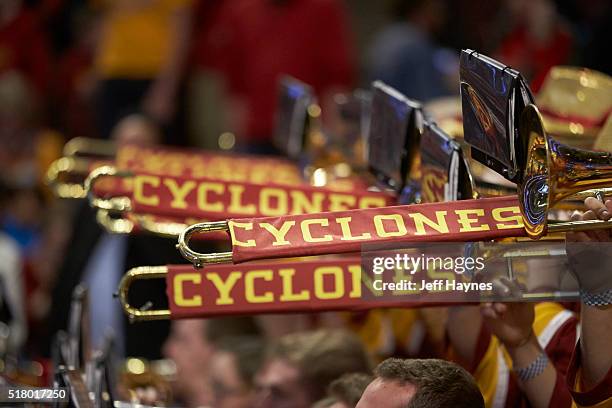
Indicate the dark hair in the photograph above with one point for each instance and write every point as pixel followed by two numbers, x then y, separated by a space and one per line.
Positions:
pixel 439 383
pixel 349 387
pixel 401 9
pixel 224 327
pixel 248 352
pixel 322 356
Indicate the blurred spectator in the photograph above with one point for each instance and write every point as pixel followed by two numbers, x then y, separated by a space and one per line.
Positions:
pixel 209 110
pixel 404 54
pixel 307 39
pixel 300 366
pixel 17 129
pixel 538 39
pixel 23 47
pixel 192 344
pixel 76 79
pixel 233 369
pixel 99 259
pixel 140 59
pixel 421 383
pixel 345 391
pixel 12 304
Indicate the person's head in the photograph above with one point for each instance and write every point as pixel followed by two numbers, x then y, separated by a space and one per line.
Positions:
pixel 428 15
pixel 415 383
pixel 192 343
pixel 232 370
pixel 137 128
pixel 299 367
pixel 345 392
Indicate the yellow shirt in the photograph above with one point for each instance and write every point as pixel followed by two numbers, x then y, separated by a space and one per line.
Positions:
pixel 136 37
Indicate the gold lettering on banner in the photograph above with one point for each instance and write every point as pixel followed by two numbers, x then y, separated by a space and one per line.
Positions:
pixel 302 205
pixel 179 192
pixel 420 220
pixel 341 202
pixel 305 225
pixel 236 206
pixel 515 217
pixel 346 230
pixel 179 296
pixel 355 271
pixel 278 233
pixel 467 223
pixel 269 195
pixel 319 280
pixel 249 286
pixel 139 197
pixel 247 226
pixel 204 203
pixel 399 223
pixel 224 287
pixel 288 294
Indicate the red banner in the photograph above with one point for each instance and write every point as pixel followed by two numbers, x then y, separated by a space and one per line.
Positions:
pixel 216 200
pixel 201 164
pixel 346 231
pixel 288 287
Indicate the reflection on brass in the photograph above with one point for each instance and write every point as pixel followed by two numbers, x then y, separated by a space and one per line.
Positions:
pixel 61 169
pixel 82 146
pixel 113 224
pixel 114 203
pixel 553 172
pixel 199 259
pixel 142 272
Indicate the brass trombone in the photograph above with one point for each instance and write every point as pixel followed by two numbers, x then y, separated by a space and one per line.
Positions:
pixel 79 155
pixel 142 272
pixel 555 171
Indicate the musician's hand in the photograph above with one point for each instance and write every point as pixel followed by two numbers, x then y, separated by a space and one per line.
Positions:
pixel 595 210
pixel 511 323
pixel 589 253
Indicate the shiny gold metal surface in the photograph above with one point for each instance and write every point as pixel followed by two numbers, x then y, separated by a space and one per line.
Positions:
pixel 59 173
pixel 199 259
pixel 83 146
pixel 118 204
pixel 142 272
pixel 554 172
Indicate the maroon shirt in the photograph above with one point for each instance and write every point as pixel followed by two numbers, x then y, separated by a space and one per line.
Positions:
pixel 257 41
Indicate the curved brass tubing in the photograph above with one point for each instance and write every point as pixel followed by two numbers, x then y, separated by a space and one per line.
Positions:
pixel 554 172
pixel 199 259
pixel 114 225
pixel 84 146
pixel 118 204
pixel 141 272
pixel 66 165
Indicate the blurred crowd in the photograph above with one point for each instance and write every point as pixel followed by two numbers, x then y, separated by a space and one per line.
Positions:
pixel 197 69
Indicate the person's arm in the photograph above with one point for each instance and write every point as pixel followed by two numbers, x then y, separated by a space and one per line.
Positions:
pixel 591 263
pixel 512 324
pixel 160 99
pixel 464 328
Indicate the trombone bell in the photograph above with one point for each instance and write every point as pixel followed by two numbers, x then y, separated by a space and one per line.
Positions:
pixel 553 172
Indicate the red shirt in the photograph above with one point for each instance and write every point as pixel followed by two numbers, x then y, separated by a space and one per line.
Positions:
pixel 307 39
pixel 535 60
pixel 23 48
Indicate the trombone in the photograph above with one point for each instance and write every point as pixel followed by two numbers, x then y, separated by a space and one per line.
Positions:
pixel 79 158
pixel 553 172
